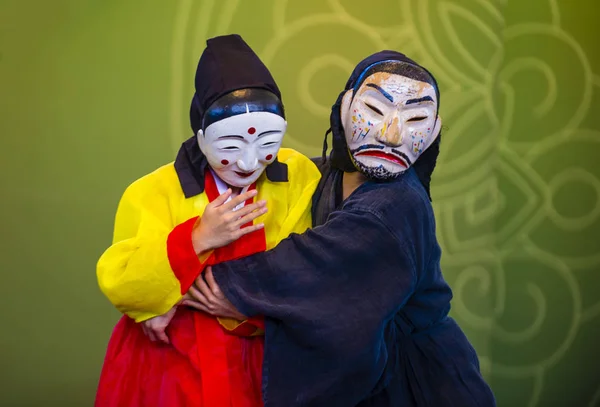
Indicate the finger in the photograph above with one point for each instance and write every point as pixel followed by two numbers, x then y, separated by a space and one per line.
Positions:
pixel 212 284
pixel 247 209
pixel 225 309
pixel 230 312
pixel 250 217
pixel 228 206
pixel 161 335
pixel 196 305
pixel 221 199
pixel 221 311
pixel 248 229
pixel 197 295
pixel 205 289
pixel 150 334
pixel 239 316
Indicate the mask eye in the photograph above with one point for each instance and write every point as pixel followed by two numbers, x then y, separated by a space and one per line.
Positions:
pixel 374 109
pixel 417 119
pixel 230 148
pixel 269 144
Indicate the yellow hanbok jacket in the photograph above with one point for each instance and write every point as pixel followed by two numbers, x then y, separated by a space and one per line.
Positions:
pixel 135 272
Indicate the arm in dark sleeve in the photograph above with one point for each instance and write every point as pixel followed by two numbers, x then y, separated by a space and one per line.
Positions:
pixel 352 259
pixel 328 294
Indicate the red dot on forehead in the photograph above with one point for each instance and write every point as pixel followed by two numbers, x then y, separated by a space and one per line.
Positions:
pixel 251 130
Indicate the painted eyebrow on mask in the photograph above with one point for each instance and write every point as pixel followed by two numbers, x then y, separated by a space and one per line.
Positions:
pixel 264 133
pixel 383 92
pixel 231 136
pixel 423 99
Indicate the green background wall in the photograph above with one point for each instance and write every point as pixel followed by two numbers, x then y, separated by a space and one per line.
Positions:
pixel 94 94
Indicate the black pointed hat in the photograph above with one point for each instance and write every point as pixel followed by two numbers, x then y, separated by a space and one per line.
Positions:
pixel 226 65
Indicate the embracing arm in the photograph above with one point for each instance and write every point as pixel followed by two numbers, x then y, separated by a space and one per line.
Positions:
pixel 329 294
pixel 347 275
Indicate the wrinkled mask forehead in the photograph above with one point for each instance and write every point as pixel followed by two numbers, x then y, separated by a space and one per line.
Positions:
pixel 396 68
pixel 397 89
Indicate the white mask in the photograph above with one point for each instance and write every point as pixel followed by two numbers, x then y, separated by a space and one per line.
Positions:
pixel 240 147
pixel 388 124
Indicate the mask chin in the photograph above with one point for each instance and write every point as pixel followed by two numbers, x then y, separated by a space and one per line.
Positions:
pixel 229 177
pixel 377 173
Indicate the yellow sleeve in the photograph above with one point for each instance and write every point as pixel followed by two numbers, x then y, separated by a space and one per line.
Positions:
pixel 134 273
pixel 304 176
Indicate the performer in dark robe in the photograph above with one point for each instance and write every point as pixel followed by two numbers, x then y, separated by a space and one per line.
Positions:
pixel 357 307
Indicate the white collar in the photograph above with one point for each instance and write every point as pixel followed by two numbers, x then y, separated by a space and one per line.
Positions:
pixel 222 187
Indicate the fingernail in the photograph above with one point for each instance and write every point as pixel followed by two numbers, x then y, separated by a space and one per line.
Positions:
pixel 262 202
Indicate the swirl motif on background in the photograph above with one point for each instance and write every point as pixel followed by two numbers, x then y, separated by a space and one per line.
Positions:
pixel 517 189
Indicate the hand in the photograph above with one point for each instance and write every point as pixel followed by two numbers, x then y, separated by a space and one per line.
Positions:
pixel 155 328
pixel 221 225
pixel 207 296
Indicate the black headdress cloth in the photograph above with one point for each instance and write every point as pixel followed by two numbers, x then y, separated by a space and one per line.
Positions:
pixel 329 192
pixel 226 65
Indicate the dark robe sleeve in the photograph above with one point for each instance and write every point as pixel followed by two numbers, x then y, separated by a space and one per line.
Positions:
pixel 327 295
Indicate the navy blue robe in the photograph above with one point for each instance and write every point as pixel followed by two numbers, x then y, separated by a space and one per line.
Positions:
pixel 357 309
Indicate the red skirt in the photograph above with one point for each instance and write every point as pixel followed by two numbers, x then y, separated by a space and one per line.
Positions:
pixel 204 366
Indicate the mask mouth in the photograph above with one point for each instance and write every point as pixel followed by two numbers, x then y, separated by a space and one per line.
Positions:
pixel 244 174
pixel 391 157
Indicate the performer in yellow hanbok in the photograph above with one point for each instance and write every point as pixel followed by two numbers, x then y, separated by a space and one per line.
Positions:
pixel 231 192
